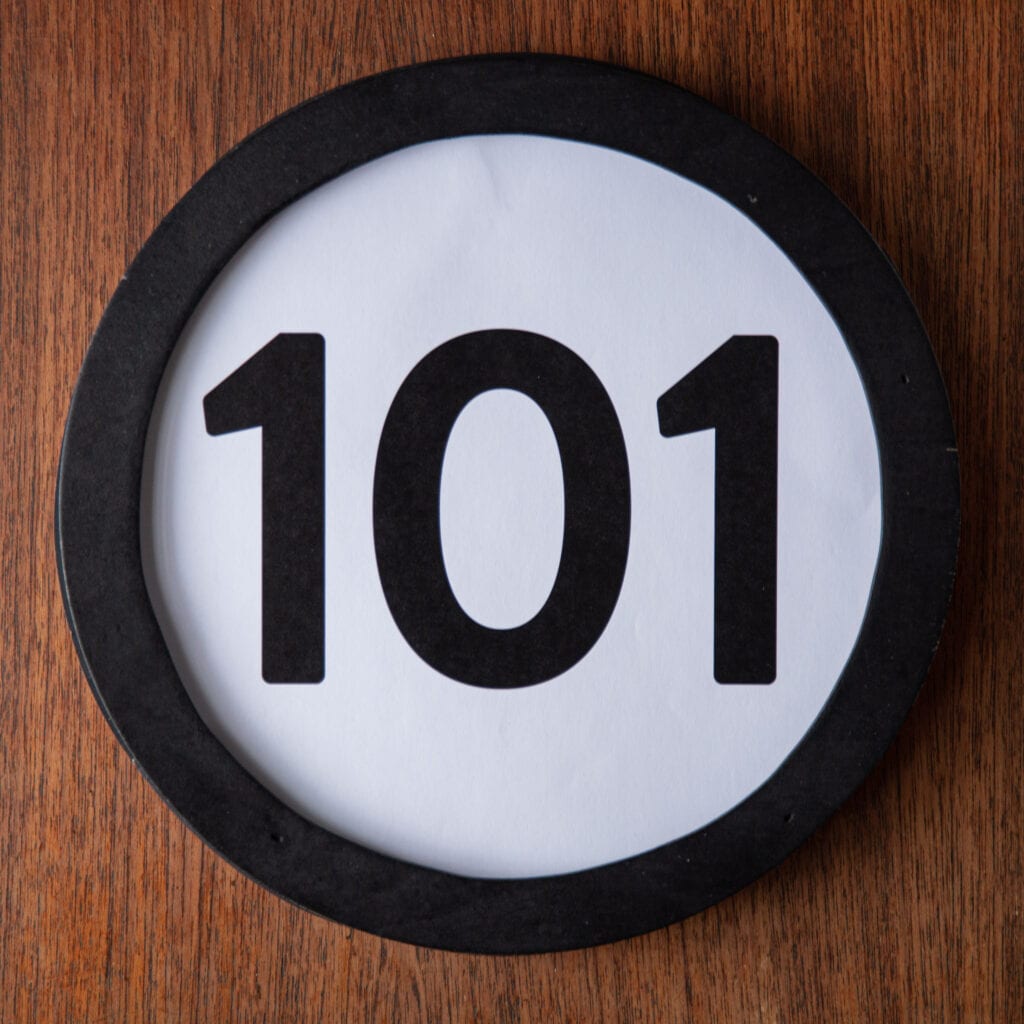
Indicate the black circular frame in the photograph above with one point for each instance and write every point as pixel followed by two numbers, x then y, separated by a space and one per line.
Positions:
pixel 100 479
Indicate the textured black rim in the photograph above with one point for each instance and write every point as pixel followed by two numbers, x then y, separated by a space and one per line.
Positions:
pixel 100 478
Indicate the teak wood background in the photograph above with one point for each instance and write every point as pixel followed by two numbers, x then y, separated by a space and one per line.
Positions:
pixel 906 906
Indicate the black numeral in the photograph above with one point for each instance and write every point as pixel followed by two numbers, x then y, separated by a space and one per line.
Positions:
pixel 281 389
pixel 406 496
pixel 735 392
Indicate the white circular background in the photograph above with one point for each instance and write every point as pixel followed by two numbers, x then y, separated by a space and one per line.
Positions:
pixel 643 274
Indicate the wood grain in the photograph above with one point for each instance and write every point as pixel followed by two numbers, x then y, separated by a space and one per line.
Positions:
pixel 906 906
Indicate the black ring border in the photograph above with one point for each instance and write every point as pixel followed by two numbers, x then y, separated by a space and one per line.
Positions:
pixel 99 487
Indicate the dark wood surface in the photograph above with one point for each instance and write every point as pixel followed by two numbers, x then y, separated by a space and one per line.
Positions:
pixel 906 906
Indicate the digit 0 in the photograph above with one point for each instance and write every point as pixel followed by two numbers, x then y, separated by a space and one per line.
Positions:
pixel 406 497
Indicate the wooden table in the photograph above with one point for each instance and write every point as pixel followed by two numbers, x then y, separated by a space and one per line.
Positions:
pixel 906 906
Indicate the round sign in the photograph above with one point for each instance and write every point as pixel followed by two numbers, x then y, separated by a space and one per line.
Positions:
pixel 507 505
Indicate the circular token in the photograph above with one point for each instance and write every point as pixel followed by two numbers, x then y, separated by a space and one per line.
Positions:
pixel 507 505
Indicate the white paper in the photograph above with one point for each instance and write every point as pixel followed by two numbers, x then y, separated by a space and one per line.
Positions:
pixel 641 273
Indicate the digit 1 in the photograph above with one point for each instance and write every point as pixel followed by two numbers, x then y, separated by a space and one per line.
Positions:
pixel 406 495
pixel 281 390
pixel 735 392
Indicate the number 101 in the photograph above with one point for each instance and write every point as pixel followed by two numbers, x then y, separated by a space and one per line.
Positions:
pixel 733 392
